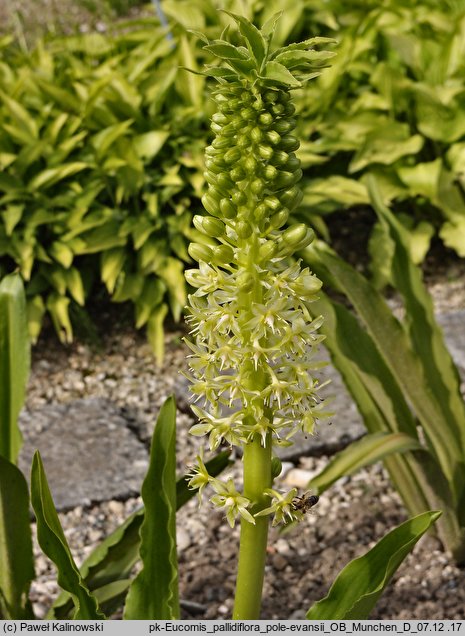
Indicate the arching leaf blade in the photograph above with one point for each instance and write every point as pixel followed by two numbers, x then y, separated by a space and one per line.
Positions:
pixel 153 594
pixel 53 542
pixel 359 585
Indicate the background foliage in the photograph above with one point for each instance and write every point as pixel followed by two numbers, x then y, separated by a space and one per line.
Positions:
pixel 101 143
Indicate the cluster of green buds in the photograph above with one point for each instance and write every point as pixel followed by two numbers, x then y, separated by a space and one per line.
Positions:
pixel 255 337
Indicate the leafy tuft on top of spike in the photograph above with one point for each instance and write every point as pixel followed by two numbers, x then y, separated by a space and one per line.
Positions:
pixel 254 60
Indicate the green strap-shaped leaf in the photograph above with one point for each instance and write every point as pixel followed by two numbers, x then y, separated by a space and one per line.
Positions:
pixel 359 585
pixel 378 395
pixel 53 542
pixel 114 558
pixel 153 594
pixel 393 344
pixel 363 452
pixel 14 363
pixel 425 333
pixel 374 388
pixel 16 558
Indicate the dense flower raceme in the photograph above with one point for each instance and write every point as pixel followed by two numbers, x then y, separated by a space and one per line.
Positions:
pixel 254 335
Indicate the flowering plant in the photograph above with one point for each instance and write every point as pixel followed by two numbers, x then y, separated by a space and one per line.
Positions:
pixel 255 336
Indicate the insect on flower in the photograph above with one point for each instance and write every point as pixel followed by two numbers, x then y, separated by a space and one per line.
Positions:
pixel 305 503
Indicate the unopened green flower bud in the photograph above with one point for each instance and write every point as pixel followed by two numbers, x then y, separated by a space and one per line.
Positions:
pixel 286 248
pixel 279 219
pixel 306 285
pixel 250 164
pixel 214 166
pixel 286 179
pixel 277 109
pixel 210 204
pixel 261 211
pixel 219 118
pixel 289 143
pixel 256 134
pixel 239 197
pixel 283 126
pixel 294 234
pixel 209 225
pixel 224 181
pixel 267 250
pixel 293 163
pixel 272 202
pixel 292 197
pixel 232 155
pixel 257 186
pixel 210 177
pixel 245 281
pixel 289 110
pixel 270 172
pixel 228 210
pixel 200 252
pixel 223 254
pixel 247 113
pixel 243 229
pixel 273 137
pixel 271 97
pixel 265 152
pixel 220 142
pixel 266 119
pixel 280 158
pixel 237 174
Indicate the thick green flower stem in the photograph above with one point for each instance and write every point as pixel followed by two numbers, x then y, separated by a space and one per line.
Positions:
pixel 252 549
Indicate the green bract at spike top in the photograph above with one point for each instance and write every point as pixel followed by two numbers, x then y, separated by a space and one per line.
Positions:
pixel 255 336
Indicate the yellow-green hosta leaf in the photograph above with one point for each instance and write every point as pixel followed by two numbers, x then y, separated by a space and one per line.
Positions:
pixel 336 188
pixel 111 264
pixel 359 585
pixel 35 313
pixel 57 307
pixel 12 216
pixel 22 118
pixel 128 286
pixel 152 295
pixel 75 285
pixel 50 176
pixel 172 273
pixel 386 146
pixel 149 144
pixel 61 253
pixel 422 179
pixel 106 137
pixel 6 159
pixel 453 235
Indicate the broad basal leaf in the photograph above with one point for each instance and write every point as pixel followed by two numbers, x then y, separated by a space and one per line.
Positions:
pixel 153 594
pixel 359 585
pixel 53 542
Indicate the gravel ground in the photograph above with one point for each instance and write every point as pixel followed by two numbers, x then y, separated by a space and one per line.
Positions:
pixel 349 519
